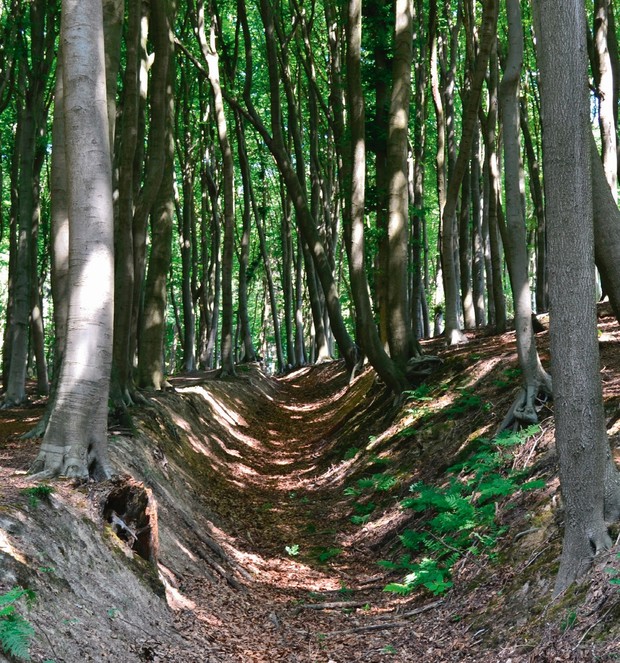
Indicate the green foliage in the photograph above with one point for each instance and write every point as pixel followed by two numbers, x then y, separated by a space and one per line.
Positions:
pixel 40 492
pixel 615 573
pixel 569 621
pixel 460 515
pixel 293 550
pixel 389 649
pixel 350 453
pixel 15 631
pixel 323 555
pixel 465 402
pixel 509 377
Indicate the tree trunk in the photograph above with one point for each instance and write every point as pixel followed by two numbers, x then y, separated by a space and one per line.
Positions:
pixel 478 263
pixel 211 57
pixel 151 367
pixel 187 225
pixel 400 333
pixel 535 378
pixel 579 416
pixel 122 362
pixel 496 297
pixel 355 172
pixel 539 210
pixel 604 78
pixel 155 159
pixel 487 38
pixel 75 441
pixel 249 353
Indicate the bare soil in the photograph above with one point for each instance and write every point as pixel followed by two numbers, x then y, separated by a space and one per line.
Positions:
pixel 257 557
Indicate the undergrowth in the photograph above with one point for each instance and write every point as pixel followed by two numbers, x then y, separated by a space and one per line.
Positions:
pixel 460 515
pixel 16 632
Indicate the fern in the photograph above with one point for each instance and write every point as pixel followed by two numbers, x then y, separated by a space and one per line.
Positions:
pixel 15 631
pixel 460 514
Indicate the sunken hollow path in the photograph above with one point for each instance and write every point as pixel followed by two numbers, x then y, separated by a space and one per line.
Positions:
pixel 260 552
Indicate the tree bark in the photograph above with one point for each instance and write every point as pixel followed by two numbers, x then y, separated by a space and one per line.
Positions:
pixel 579 416
pixel 604 78
pixel 249 353
pixel 535 378
pixel 487 37
pixel 151 368
pixel 210 55
pixel 355 174
pixel 124 276
pixel 75 441
pixel 400 333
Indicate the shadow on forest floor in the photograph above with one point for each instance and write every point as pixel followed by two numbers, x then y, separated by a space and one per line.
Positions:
pixel 276 498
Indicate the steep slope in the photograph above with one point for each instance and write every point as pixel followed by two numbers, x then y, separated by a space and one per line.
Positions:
pixel 256 482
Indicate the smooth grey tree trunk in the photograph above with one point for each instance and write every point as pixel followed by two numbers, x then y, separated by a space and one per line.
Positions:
pixel 210 55
pixel 579 416
pixel 604 77
pixel 75 441
pixel 400 332
pixel 487 38
pixel 151 366
pixel 535 378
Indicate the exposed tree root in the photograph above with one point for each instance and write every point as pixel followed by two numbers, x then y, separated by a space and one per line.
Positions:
pixel 419 368
pixel 525 408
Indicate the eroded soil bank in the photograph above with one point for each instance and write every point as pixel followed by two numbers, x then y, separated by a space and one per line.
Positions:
pixel 257 555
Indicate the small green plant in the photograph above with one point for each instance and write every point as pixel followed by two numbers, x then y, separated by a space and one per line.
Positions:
pixel 388 649
pixel 509 377
pixel 323 555
pixel 363 512
pixel 16 632
pixel 293 550
pixel 344 590
pixel 39 493
pixel 569 621
pixel 421 393
pixel 460 515
pixel 615 573
pixel 350 453
pixel 465 402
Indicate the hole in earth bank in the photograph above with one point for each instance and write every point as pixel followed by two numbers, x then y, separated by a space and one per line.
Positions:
pixel 130 510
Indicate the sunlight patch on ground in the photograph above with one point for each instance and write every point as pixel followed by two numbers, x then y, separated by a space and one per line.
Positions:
pixel 483 368
pixel 183 549
pixel 223 414
pixel 175 599
pixel 7 547
pixel 316 405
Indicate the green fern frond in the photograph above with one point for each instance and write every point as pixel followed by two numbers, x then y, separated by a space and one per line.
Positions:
pixel 15 636
pixel 398 588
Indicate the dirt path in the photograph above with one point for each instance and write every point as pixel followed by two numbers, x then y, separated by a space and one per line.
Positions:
pixel 258 554
pixel 312 595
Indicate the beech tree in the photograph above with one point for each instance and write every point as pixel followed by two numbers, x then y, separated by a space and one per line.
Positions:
pixel 75 441
pixel 535 378
pixel 581 436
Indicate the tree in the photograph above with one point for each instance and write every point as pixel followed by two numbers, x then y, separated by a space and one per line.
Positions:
pixel 400 332
pixel 152 322
pixel 470 113
pixel 355 175
pixel 535 378
pixel 579 416
pixel 75 441
pixel 211 57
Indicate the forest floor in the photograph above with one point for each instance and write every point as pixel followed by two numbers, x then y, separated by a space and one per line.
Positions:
pixel 276 498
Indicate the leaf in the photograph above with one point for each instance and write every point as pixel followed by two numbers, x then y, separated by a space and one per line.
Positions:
pixel 398 588
pixel 15 636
